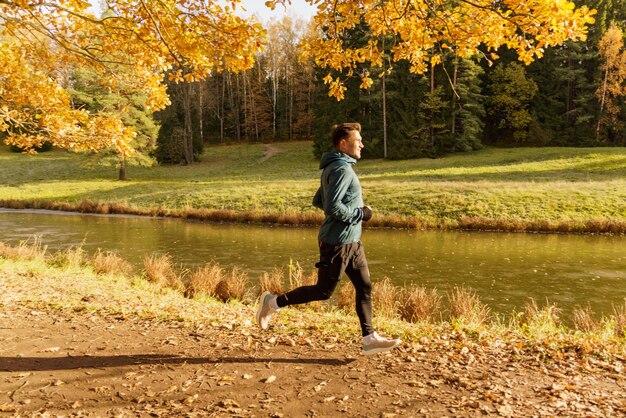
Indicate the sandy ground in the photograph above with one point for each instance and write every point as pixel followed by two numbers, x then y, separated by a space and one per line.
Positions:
pixel 65 363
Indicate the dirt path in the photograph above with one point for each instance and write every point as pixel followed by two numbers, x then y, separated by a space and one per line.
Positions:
pixel 270 151
pixel 78 364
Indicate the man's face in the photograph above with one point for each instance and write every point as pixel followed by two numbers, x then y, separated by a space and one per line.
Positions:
pixel 352 145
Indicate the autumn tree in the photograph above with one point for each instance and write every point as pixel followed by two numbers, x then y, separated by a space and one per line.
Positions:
pixel 424 30
pixel 187 39
pixel 87 92
pixel 612 87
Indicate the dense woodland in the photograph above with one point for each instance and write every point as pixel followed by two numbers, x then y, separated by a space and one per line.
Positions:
pixel 573 96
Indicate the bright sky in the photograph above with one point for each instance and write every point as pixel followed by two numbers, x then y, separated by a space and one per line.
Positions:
pixel 298 8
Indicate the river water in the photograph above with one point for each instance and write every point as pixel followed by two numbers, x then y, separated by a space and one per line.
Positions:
pixel 504 269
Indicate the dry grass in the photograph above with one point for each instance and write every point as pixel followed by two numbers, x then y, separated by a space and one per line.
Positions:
pixel 583 319
pixel 346 296
pixel 619 315
pixel 71 258
pixel 31 249
pixel 272 281
pixel 297 276
pixel 465 306
pixel 110 263
pixel 385 298
pixel 418 304
pixel 391 220
pixel 159 269
pixel 204 280
pixel 233 286
pixel 540 322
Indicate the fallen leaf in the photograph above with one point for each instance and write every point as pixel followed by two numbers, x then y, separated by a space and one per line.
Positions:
pixel 319 387
pixel 7 408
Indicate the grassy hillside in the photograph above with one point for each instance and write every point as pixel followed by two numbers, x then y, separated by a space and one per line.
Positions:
pixel 565 189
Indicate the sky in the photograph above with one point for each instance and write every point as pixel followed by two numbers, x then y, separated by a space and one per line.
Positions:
pixel 298 8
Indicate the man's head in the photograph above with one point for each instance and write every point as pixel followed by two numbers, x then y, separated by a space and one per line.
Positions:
pixel 347 139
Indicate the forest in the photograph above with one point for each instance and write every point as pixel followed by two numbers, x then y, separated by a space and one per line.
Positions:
pixel 572 96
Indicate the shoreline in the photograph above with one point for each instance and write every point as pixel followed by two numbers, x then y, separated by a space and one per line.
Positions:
pixel 313 219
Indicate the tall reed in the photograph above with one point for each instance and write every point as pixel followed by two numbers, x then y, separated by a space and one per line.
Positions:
pixel 273 281
pixel 583 319
pixel 159 269
pixel 466 307
pixel 71 258
pixel 540 322
pixel 418 304
pixel 204 280
pixel 385 297
pixel 233 286
pixel 30 249
pixel 619 315
pixel 110 263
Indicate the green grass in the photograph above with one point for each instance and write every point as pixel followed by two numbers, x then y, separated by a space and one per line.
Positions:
pixel 569 189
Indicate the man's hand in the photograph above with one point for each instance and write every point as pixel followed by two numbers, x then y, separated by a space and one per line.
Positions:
pixel 367 213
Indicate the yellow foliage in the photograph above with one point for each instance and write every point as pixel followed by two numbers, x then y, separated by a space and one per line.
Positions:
pixel 420 29
pixel 134 44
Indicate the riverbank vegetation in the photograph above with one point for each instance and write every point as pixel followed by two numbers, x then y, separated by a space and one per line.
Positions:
pixel 512 189
pixel 412 313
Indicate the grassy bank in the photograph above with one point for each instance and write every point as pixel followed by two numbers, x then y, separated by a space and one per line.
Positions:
pixel 529 189
pixel 104 282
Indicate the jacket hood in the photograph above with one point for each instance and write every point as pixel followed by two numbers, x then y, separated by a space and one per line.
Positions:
pixel 335 156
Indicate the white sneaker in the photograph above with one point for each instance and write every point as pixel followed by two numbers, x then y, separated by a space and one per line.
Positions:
pixel 374 343
pixel 264 311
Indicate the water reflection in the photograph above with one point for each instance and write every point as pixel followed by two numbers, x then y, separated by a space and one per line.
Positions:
pixel 503 268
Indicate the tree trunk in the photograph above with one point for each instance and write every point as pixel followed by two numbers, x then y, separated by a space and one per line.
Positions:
pixel 384 106
pixel 122 172
pixel 200 111
pixel 454 99
pixel 221 108
pixel 432 112
pixel 236 109
pixel 188 138
pixel 606 78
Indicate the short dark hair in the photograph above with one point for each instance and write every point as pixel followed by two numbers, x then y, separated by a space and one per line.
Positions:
pixel 343 130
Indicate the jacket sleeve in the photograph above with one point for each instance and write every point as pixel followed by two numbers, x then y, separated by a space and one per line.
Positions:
pixel 338 183
pixel 317 199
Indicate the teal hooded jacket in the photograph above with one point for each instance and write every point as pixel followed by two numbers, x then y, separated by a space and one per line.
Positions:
pixel 340 197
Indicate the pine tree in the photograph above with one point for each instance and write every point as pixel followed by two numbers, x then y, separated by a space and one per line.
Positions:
pixel 87 91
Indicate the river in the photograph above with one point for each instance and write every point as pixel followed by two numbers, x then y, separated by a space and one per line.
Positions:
pixel 504 269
